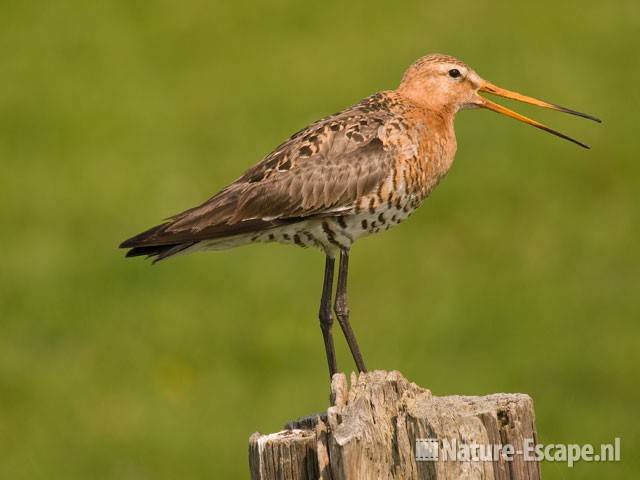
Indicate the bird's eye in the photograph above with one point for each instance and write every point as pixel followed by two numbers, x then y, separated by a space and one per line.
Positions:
pixel 454 73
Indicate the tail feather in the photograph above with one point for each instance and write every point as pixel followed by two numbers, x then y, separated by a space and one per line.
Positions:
pixel 139 239
pixel 160 252
pixel 164 240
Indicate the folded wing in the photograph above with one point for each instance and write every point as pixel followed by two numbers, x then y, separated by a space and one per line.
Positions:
pixel 320 171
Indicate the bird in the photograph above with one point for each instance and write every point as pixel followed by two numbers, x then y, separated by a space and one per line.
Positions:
pixel 352 174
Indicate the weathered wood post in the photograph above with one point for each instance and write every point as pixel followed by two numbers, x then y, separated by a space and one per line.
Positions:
pixel 370 432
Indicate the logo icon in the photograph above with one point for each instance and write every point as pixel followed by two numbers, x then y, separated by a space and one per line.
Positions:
pixel 427 449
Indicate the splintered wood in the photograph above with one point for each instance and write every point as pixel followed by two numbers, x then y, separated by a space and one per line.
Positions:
pixel 384 427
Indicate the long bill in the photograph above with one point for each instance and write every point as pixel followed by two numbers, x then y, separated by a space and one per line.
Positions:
pixel 488 104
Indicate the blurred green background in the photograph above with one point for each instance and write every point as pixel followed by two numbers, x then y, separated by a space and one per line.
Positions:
pixel 519 274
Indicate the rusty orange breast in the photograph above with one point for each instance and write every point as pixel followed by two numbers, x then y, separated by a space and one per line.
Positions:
pixel 435 148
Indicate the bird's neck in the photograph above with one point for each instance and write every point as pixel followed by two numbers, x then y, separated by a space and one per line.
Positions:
pixel 441 132
pixel 434 128
pixel 437 143
pixel 427 99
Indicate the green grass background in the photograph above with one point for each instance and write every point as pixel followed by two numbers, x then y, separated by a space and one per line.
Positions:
pixel 519 274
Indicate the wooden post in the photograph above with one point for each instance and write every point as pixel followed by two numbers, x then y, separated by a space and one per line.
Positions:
pixel 371 429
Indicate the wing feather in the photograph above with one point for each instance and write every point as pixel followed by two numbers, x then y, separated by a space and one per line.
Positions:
pixel 320 171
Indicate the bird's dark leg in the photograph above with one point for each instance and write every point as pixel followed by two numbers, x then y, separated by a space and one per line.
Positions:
pixel 342 310
pixel 326 317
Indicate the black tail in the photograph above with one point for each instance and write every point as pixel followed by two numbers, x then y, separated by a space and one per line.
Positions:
pixel 162 241
pixel 160 252
pixel 139 246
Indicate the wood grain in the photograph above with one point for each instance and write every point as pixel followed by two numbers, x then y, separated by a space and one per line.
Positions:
pixel 370 432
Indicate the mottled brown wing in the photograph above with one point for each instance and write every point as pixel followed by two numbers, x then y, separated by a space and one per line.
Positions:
pixel 321 170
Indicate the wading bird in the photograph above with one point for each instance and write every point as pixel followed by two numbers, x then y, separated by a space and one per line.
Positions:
pixel 358 172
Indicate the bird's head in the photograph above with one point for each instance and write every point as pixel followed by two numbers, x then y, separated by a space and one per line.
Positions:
pixel 445 84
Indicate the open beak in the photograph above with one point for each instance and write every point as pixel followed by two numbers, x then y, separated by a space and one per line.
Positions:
pixel 490 88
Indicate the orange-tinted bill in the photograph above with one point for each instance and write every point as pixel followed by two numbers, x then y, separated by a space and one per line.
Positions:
pixel 490 88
